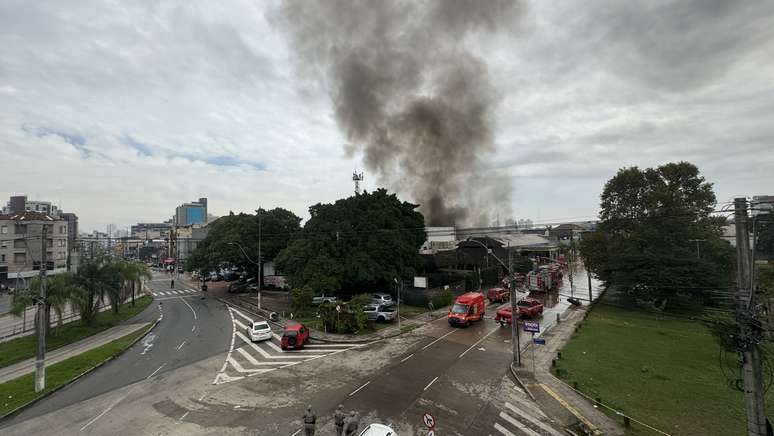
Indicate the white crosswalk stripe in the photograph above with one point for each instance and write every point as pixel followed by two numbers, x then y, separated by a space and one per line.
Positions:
pixel 518 415
pixel 248 358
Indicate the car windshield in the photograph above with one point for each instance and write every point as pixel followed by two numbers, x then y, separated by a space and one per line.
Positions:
pixel 524 304
pixel 291 334
pixel 262 326
pixel 459 308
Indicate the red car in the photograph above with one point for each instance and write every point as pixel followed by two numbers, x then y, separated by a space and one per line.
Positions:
pixel 501 295
pixel 295 336
pixel 526 307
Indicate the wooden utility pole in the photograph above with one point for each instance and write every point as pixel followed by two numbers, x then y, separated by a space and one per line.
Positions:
pixel 41 318
pixel 749 334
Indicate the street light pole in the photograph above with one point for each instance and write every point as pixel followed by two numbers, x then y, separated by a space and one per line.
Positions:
pixel 40 358
pixel 254 263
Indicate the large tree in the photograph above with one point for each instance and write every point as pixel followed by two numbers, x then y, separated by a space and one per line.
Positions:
pixel 222 244
pixel 355 244
pixel 651 221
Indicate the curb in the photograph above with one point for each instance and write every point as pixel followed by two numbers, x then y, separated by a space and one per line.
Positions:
pixel 521 383
pixel 78 377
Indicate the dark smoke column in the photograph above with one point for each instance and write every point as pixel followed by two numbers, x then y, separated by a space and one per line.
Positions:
pixel 410 94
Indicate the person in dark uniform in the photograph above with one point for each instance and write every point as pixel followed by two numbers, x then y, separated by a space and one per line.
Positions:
pixel 172 284
pixel 352 424
pixel 310 421
pixel 338 420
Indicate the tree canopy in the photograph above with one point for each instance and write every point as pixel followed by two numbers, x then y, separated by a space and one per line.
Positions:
pixel 650 224
pixel 276 227
pixel 355 244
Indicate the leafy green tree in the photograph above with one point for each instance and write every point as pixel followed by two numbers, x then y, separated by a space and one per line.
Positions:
pixel 276 228
pixel 645 242
pixel 301 299
pixel 355 244
pixel 132 273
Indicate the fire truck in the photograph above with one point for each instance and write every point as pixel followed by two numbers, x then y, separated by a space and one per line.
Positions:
pixel 545 278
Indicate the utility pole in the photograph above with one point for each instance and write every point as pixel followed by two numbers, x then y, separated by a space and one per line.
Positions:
pixel 40 358
pixel 515 345
pixel 749 335
pixel 698 252
pixel 260 258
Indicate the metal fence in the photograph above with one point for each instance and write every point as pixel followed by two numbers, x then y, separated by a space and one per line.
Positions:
pixel 27 324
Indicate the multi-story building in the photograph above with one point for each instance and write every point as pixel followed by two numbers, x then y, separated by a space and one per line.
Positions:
pixel 191 213
pixel 151 230
pixel 21 247
pixel 20 203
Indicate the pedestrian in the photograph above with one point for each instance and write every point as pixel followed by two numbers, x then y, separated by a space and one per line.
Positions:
pixel 338 420
pixel 352 424
pixel 172 284
pixel 310 421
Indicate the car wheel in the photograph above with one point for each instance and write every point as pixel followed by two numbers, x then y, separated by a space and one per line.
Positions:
pixel 380 319
pixel 502 323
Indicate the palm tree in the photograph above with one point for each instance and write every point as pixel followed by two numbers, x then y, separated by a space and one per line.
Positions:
pixel 96 279
pixel 60 289
pixel 132 274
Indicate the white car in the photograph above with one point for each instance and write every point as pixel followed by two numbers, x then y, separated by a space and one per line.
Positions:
pixel 378 430
pixel 259 331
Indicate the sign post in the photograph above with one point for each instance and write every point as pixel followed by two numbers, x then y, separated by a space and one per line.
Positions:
pixel 429 422
pixel 532 327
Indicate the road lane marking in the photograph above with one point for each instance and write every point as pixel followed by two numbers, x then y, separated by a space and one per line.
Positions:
pixel 247 318
pixel 270 356
pixel 189 306
pixel 241 369
pixel 230 349
pixel 255 361
pixel 326 345
pixel 518 424
pixel 108 409
pixel 193 327
pixel 297 432
pixel 184 415
pixel 242 326
pixel 157 370
pixel 358 389
pixel 503 430
pixel 478 342
pixel 181 345
pixel 430 384
pixel 431 343
pixel 532 419
pixel 567 406
pixel 407 357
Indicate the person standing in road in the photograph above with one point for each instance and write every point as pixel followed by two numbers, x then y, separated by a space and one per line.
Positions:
pixel 310 421
pixel 172 284
pixel 338 420
pixel 352 424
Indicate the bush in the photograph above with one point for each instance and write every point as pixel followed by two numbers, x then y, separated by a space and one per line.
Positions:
pixel 301 299
pixel 442 299
pixel 351 319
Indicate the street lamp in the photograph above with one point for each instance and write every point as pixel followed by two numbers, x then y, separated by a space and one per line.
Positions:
pixel 515 343
pixel 399 286
pixel 242 249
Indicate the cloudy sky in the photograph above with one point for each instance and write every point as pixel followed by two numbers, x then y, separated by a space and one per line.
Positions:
pixel 119 111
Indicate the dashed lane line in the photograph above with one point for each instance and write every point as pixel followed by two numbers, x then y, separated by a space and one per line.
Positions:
pixel 181 345
pixel 430 384
pixel 478 342
pixel 189 306
pixel 358 389
pixel 431 343
pixel 407 357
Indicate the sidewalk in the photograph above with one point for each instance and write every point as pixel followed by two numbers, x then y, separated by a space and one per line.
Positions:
pixel 556 398
pixel 19 369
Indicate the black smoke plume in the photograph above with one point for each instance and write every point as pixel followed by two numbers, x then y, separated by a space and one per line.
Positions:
pixel 411 93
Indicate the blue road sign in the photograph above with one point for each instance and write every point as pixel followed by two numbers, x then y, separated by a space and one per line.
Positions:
pixel 530 326
pixel 539 341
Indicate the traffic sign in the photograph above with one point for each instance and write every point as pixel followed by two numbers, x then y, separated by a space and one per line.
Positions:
pixel 530 326
pixel 431 432
pixel 539 341
pixel 429 421
pixel 338 308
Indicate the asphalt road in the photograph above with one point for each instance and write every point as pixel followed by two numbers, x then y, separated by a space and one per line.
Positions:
pixel 191 330
pixel 5 303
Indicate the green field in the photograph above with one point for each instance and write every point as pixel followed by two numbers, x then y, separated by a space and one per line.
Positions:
pixel 24 348
pixel 664 371
pixel 22 390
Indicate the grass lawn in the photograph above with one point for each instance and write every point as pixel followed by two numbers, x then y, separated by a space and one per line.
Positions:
pixel 408 311
pixel 22 390
pixel 23 348
pixel 661 370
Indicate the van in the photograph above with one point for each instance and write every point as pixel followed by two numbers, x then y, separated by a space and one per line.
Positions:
pixel 467 308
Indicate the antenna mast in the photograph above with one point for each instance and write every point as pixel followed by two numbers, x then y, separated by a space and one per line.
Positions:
pixel 357 178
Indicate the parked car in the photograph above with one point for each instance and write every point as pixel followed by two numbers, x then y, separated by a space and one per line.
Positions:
pixel 467 308
pixel 382 298
pixel 295 336
pixel 259 331
pixel 500 295
pixel 242 285
pixel 380 312
pixel 320 299
pixel 504 316
pixel 378 430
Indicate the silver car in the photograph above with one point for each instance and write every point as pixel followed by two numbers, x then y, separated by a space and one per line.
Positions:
pixel 382 298
pixel 380 312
